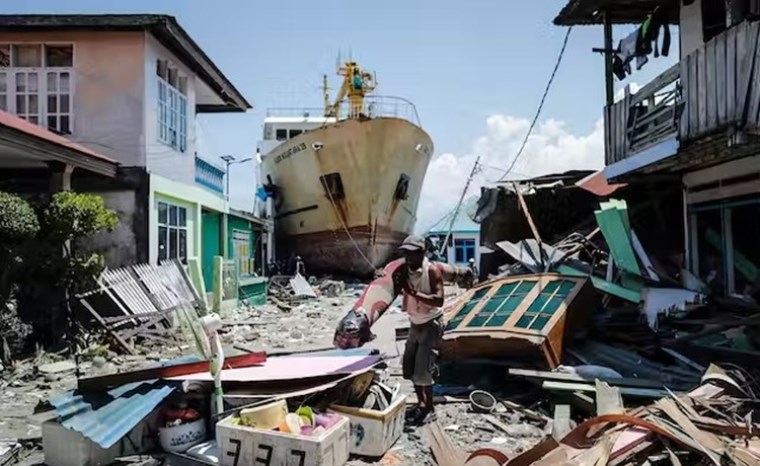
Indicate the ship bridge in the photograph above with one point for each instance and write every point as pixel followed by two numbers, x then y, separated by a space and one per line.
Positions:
pixel 283 124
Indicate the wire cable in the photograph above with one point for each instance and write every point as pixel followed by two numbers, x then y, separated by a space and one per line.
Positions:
pixel 540 105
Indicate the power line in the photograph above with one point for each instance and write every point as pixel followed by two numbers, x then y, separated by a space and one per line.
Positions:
pixel 540 105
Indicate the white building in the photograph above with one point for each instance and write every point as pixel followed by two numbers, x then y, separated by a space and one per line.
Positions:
pixel 464 241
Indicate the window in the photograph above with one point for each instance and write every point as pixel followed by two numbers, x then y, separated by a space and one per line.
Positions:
pixel 723 249
pixel 333 185
pixel 241 251
pixel 36 83
pixel 502 304
pixel 295 132
pixel 474 301
pixel 172 232
pixel 464 250
pixel 172 107
pixel 545 305
pixel 402 187
pixel 281 135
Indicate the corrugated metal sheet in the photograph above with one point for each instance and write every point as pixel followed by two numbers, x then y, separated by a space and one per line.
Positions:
pixel 105 418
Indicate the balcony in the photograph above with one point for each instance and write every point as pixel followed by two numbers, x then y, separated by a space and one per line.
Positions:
pixel 713 93
pixel 209 176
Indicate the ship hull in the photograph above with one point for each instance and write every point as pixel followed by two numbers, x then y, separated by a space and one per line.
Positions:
pixel 357 226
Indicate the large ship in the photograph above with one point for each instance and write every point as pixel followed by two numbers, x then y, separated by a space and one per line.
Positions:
pixel 346 179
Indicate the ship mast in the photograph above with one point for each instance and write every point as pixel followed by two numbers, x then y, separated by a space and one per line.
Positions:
pixel 326 95
pixel 356 85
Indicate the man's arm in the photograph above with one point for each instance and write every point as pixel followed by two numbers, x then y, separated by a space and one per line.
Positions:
pixel 435 298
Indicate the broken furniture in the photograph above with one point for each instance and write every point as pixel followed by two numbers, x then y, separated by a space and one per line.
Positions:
pixel 526 316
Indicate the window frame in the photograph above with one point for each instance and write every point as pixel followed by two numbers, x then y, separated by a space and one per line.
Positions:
pixel 42 115
pixel 170 229
pixel 470 246
pixel 172 106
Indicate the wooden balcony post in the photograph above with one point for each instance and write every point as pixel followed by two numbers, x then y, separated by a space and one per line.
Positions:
pixel 608 77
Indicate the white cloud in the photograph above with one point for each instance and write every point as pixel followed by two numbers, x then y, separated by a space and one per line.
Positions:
pixel 551 148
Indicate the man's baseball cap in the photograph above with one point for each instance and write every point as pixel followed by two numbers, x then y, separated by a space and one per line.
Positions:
pixel 413 243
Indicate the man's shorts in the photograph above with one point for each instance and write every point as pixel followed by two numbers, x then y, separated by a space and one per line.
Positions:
pixel 420 363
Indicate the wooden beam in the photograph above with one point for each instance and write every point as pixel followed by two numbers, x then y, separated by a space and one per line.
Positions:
pixel 573 378
pixel 561 423
pixel 608 75
pixel 113 334
pixel 580 387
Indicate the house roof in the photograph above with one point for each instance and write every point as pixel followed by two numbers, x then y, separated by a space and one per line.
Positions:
pixel 463 223
pixel 39 142
pixel 587 12
pixel 164 27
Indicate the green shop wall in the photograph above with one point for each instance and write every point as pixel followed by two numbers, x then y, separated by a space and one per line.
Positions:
pixel 211 243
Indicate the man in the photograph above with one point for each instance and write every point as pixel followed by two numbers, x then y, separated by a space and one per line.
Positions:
pixel 421 282
pixel 300 267
pixel 474 270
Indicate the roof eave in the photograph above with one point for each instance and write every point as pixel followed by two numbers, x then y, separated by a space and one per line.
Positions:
pixel 165 28
pixel 48 149
pixel 219 108
pixel 204 67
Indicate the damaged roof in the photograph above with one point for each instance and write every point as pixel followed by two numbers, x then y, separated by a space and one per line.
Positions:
pixel 165 28
pixel 105 418
pixel 588 12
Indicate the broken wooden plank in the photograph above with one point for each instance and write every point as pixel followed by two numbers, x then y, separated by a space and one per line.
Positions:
pixel 683 359
pixel 561 422
pixel 444 451
pixel 608 399
pixel 628 391
pixel 710 444
pixel 124 345
pixel 617 382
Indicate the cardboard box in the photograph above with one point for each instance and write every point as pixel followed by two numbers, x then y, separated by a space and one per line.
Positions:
pixel 241 445
pixel 374 432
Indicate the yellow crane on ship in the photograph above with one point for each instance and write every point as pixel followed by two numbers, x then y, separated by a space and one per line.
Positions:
pixel 357 83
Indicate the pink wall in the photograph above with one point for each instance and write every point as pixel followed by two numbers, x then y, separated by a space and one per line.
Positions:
pixel 109 89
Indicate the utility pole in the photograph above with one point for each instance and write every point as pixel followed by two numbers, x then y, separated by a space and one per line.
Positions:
pixel 459 205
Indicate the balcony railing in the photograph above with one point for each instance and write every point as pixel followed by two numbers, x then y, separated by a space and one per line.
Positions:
pixel 209 176
pixel 641 120
pixel 715 90
pixel 721 82
pixel 374 106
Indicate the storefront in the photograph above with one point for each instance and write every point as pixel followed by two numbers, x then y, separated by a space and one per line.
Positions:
pixel 723 226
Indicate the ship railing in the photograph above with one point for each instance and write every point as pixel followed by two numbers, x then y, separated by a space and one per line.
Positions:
pixel 295 112
pixel 375 106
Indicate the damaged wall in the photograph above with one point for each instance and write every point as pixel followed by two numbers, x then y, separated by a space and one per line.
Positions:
pixel 656 211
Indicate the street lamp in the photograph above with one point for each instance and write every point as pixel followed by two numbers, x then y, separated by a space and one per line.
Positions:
pixel 230 160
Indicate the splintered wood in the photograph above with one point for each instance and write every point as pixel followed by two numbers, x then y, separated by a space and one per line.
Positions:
pixel 712 424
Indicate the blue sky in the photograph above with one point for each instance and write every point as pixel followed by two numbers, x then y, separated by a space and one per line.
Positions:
pixel 475 70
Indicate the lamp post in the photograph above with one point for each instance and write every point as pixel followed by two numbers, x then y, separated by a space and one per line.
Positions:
pixel 230 160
